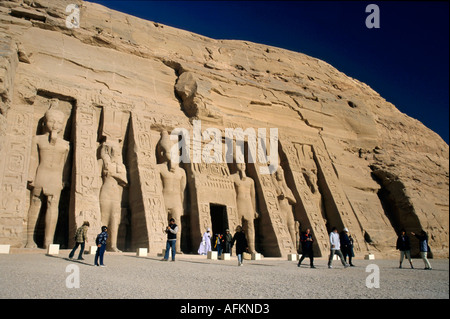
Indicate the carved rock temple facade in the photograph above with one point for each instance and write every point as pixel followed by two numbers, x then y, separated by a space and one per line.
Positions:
pixel 349 158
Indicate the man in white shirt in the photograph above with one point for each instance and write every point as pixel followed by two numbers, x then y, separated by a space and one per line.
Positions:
pixel 335 248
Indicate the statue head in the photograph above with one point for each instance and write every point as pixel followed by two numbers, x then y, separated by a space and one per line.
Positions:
pixel 279 174
pixel 54 121
pixel 241 167
pixel 165 146
pixel 111 149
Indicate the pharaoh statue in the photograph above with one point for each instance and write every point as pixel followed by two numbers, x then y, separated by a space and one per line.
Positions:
pixel 173 179
pixel 246 203
pixel 285 200
pixel 114 177
pixel 49 172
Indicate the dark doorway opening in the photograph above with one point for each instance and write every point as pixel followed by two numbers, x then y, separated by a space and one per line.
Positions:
pixel 219 218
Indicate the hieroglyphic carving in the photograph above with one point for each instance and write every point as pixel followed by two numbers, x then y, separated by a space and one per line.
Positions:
pixel 308 198
pixel 214 175
pixel 274 214
pixel 146 199
pixel 339 199
pixel 13 174
pixel 87 174
pixel 204 216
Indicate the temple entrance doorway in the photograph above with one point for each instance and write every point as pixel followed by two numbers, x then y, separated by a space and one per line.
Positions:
pixel 219 218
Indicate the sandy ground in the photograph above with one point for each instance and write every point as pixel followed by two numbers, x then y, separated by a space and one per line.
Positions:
pixel 37 275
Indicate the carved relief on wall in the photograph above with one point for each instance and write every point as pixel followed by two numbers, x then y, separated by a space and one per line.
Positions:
pixel 285 201
pixel 309 209
pixel 15 147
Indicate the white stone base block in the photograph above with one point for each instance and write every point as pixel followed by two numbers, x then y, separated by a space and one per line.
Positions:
pixel 53 249
pixel 4 249
pixel 369 257
pixel 92 250
pixel 335 257
pixel 212 255
pixel 256 256
pixel 225 256
pixel 292 257
pixel 142 252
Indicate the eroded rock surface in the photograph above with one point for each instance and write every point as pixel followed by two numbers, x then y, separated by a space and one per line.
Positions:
pixel 349 157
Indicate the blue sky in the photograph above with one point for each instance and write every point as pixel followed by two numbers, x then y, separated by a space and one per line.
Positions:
pixel 406 60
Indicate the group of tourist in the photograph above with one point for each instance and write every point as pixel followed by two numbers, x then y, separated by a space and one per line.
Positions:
pixel 340 245
pixel 225 243
pixel 404 246
pixel 81 238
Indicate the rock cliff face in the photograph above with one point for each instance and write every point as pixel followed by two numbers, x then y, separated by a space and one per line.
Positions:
pixel 349 157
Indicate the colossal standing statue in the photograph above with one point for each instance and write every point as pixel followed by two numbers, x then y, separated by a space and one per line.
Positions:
pixel 48 174
pixel 285 200
pixel 173 179
pixel 246 203
pixel 114 176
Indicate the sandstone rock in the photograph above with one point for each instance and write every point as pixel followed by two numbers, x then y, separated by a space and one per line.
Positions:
pixel 350 158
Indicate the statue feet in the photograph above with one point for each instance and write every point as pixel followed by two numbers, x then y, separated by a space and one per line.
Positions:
pixel 31 244
pixel 116 250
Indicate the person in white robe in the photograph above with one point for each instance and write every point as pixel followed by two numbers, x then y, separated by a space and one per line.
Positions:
pixel 205 245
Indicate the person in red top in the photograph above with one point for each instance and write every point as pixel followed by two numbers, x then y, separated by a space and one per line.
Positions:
pixel 307 240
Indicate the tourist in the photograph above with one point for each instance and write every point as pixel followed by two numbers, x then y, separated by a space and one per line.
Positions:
pixel 335 248
pixel 80 239
pixel 205 245
pixel 346 246
pixel 101 246
pixel 307 240
pixel 228 240
pixel 403 244
pixel 241 244
pixel 423 246
pixel 171 231
pixel 219 242
pixel 352 252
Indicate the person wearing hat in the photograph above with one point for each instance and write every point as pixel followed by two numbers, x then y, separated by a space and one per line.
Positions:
pixel 346 246
pixel 205 244
pixel 80 239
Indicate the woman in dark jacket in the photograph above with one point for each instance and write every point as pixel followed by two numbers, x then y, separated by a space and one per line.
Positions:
pixel 241 244
pixel 403 244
